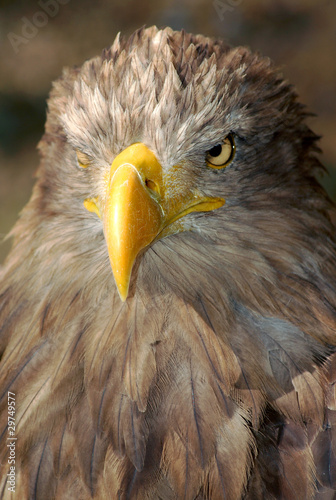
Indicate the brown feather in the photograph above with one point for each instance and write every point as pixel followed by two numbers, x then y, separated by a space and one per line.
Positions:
pixel 216 378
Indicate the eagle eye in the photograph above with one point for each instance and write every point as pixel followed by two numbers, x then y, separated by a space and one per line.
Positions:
pixel 83 159
pixel 222 154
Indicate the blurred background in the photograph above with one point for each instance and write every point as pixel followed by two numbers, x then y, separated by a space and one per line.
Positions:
pixel 39 37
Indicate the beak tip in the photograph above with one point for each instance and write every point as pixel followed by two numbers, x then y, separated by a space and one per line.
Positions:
pixel 123 296
pixel 123 290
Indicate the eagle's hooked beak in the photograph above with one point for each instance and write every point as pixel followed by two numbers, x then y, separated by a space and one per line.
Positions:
pixel 137 209
pixel 133 215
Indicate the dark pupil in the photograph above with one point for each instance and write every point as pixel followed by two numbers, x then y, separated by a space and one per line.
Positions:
pixel 216 150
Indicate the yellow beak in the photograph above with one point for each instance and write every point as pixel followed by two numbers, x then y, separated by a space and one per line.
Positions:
pixel 137 210
pixel 132 216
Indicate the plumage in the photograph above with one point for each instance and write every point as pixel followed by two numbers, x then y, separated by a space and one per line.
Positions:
pixel 184 349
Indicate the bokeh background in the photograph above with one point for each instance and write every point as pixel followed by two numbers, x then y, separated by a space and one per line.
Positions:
pixel 39 37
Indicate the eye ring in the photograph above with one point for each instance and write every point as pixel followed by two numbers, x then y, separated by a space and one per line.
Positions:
pixel 221 154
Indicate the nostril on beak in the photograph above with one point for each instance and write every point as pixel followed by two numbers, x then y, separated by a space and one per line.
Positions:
pixel 152 186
